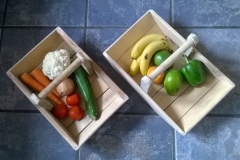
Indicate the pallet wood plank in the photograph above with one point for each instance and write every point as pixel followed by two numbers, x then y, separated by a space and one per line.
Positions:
pixel 102 102
pixel 189 97
pixel 204 106
pixel 94 125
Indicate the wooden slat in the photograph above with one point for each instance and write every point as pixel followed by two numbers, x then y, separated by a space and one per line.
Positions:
pixel 164 100
pixel 106 99
pixel 94 125
pixel 188 98
pixel 59 127
pixel 204 105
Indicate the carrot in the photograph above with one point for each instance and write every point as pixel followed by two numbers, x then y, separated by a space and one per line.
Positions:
pixel 35 85
pixel 43 80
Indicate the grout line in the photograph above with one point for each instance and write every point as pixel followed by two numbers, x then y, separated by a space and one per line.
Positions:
pixel 3 23
pixel 171 12
pixel 85 26
pixel 81 27
pixel 19 111
pixel 206 27
pixel 223 115
pixel 174 145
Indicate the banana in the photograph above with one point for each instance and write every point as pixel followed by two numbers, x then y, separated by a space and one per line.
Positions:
pixel 134 67
pixel 148 52
pixel 143 42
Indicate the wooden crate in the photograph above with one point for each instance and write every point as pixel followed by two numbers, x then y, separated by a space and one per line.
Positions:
pixel 108 96
pixel 184 110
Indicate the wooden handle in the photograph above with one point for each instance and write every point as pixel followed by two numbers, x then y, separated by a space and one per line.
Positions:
pixel 190 42
pixel 69 70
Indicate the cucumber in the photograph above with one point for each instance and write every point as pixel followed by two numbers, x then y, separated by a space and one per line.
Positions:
pixel 80 76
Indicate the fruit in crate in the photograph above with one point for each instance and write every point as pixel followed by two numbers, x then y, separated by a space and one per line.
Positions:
pixel 160 57
pixel 143 51
pixel 148 52
pixel 134 67
pixel 173 82
pixel 143 42
pixel 159 78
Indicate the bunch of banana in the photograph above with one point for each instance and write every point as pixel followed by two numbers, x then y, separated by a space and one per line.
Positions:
pixel 143 51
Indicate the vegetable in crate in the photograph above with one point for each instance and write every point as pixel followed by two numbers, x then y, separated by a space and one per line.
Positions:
pixel 194 72
pixel 81 78
pixel 55 63
pixel 67 87
pixel 173 82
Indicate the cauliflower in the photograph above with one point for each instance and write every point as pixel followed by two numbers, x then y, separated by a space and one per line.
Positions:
pixel 55 63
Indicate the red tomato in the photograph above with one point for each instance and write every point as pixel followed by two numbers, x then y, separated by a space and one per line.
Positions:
pixel 60 111
pixel 75 112
pixel 73 99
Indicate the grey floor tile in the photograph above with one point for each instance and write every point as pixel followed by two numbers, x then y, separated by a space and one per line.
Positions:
pixel 2 8
pixel 130 137
pixel 27 136
pixel 99 40
pixel 45 13
pixel 213 138
pixel 221 47
pixel 16 42
pixel 206 13
pixel 123 13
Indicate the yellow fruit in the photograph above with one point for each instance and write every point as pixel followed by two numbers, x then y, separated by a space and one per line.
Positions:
pixel 143 42
pixel 134 68
pixel 148 52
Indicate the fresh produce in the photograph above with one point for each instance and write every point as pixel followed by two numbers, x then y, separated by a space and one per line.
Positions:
pixel 148 52
pixel 73 99
pixel 75 113
pixel 67 87
pixel 159 78
pixel 143 42
pixel 160 57
pixel 81 78
pixel 55 63
pixel 173 82
pixel 35 85
pixel 134 67
pixel 43 80
pixel 60 111
pixel 194 72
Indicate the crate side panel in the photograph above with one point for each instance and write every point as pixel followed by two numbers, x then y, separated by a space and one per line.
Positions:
pixel 94 125
pixel 131 36
pixel 189 97
pixel 204 105
pixel 33 58
pixel 102 102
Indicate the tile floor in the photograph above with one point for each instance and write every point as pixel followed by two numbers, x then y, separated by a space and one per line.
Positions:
pixel 135 132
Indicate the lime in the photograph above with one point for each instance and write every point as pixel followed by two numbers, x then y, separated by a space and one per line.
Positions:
pixel 160 56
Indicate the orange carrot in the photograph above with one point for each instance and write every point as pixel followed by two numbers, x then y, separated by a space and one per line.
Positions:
pixel 32 83
pixel 43 80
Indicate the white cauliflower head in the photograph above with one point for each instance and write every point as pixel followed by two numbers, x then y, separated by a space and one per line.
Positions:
pixel 55 63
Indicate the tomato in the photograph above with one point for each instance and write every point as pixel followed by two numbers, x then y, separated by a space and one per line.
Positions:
pixel 159 78
pixel 160 57
pixel 75 113
pixel 73 99
pixel 60 111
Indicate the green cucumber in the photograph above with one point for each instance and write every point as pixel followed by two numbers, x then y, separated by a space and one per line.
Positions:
pixel 80 76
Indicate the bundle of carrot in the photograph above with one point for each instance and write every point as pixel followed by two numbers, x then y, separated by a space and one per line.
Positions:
pixel 35 84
